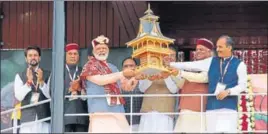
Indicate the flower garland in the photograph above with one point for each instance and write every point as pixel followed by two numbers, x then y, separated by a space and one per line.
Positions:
pixel 246 121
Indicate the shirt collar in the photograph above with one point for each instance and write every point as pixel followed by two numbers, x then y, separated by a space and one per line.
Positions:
pixel 227 58
pixel 71 66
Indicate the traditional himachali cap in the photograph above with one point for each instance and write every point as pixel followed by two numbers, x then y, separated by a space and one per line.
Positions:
pixel 99 40
pixel 205 42
pixel 71 46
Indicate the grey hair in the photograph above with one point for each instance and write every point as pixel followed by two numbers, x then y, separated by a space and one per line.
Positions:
pixel 229 40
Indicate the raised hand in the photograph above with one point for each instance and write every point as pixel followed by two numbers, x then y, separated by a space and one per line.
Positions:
pixel 75 85
pixel 140 76
pixel 29 75
pixel 39 75
pixel 129 84
pixel 154 77
pixel 164 75
pixel 128 73
pixel 174 71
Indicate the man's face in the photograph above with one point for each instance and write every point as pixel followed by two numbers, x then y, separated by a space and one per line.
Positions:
pixel 222 49
pixel 202 52
pixel 129 64
pixel 72 57
pixel 101 52
pixel 32 57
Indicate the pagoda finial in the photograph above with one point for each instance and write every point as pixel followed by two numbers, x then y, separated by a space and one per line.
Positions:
pixel 148 11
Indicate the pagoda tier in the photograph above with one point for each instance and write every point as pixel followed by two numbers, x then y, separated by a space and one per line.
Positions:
pixel 151 63
pixel 150 45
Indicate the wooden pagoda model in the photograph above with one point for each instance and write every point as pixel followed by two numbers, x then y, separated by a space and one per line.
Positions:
pixel 150 45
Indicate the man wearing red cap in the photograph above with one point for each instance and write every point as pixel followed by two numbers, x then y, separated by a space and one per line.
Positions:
pixel 102 78
pixel 227 78
pixel 190 106
pixel 74 105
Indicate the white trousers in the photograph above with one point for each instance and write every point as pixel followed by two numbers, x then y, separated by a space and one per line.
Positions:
pixel 135 128
pixel 41 127
pixel 190 122
pixel 218 122
pixel 156 123
pixel 114 123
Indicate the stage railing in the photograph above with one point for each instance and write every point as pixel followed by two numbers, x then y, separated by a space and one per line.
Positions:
pixel 15 127
pixel 15 110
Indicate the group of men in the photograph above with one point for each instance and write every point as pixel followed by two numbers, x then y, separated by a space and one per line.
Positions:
pixel 223 75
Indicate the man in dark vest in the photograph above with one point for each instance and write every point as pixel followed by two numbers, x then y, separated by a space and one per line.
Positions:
pixel 74 105
pixel 227 78
pixel 32 86
pixel 130 63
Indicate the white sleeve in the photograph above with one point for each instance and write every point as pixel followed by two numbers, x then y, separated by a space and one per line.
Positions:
pixel 178 80
pixel 195 77
pixel 201 65
pixel 45 88
pixel 171 85
pixel 20 89
pixel 144 85
pixel 242 80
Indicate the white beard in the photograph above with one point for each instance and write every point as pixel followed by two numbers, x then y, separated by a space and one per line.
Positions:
pixel 101 57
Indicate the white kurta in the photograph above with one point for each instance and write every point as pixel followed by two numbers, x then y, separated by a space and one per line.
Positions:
pixel 154 122
pixel 216 122
pixel 41 127
pixel 190 121
pixel 21 90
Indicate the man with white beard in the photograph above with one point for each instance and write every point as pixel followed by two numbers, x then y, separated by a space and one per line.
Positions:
pixel 102 78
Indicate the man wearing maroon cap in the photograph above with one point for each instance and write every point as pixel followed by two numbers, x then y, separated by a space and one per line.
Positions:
pixel 190 106
pixel 227 78
pixel 74 105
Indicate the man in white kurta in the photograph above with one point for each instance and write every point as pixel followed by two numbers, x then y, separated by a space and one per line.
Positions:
pixel 32 86
pixel 155 122
pixel 157 84
pixel 227 77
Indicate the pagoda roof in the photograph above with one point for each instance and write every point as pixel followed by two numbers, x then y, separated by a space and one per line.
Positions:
pixel 149 28
pixel 148 37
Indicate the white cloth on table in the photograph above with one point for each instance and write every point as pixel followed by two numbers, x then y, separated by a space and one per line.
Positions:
pixel 221 122
pixel 156 123
pixel 41 127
